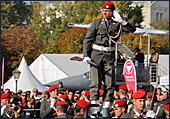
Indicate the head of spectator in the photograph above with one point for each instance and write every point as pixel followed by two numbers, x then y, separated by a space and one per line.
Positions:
pixel 122 91
pixel 136 50
pixel 35 92
pixel 75 98
pixel 159 91
pixel 149 98
pixel 5 99
pixel 120 108
pixel 61 107
pixel 116 95
pixel 7 90
pixel 53 91
pixel 78 94
pixel 28 94
pixel 161 98
pixel 80 106
pixel 167 111
pixel 31 103
pixel 24 95
pixel 70 95
pixel 165 95
pixel 129 94
pixel 60 84
pixel 153 50
pixel 139 101
pixel 19 93
pixel 82 97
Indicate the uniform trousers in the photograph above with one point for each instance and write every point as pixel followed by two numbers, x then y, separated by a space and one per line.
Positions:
pixel 104 72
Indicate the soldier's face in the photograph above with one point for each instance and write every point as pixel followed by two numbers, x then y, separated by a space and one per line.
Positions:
pixel 139 104
pixel 5 101
pixel 118 111
pixel 107 13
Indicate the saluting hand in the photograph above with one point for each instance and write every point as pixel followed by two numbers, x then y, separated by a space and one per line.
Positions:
pixel 118 18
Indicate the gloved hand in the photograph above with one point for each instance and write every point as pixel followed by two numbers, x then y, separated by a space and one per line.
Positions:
pixel 52 103
pixel 85 60
pixel 151 114
pixel 118 18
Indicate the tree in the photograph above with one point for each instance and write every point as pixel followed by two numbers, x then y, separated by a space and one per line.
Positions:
pixel 161 24
pixel 14 13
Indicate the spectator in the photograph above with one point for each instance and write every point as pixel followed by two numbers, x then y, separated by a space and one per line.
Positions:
pixel 24 99
pixel 140 58
pixel 61 87
pixel 7 90
pixel 28 94
pixel 35 94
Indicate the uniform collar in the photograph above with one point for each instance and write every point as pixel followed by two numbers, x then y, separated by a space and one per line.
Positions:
pixel 137 113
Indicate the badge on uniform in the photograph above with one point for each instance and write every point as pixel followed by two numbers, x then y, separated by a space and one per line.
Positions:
pixel 107 6
pixel 102 21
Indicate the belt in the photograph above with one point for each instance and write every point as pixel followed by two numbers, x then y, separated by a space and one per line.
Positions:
pixel 102 48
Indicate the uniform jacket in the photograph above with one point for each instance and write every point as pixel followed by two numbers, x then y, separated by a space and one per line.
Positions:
pixel 131 114
pixel 46 110
pixel 63 115
pixel 98 34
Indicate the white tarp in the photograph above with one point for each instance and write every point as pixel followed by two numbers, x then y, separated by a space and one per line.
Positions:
pixel 26 81
pixel 51 67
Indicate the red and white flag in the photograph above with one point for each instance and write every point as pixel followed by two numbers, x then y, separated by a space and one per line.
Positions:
pixel 3 74
pixel 129 73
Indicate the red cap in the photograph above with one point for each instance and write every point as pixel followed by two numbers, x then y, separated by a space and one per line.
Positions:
pixel 87 93
pixel 5 95
pixel 64 96
pixel 120 103
pixel 167 107
pixel 101 92
pixel 46 91
pixel 82 103
pixel 52 88
pixel 61 103
pixel 122 87
pixel 139 95
pixel 130 91
pixel 140 90
pixel 108 5
pixel 149 94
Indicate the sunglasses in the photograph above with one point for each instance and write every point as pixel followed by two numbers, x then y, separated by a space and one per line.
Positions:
pixel 35 91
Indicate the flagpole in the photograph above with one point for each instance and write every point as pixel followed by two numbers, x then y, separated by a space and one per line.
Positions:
pixel 3 73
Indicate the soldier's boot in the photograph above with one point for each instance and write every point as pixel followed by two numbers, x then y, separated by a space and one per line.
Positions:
pixel 106 111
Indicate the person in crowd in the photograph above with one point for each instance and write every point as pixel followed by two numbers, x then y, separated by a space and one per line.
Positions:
pixel 31 105
pixel 98 47
pixel 158 93
pixel 75 98
pixel 7 90
pixel 28 94
pixel 47 108
pixel 140 58
pixel 87 96
pixel 153 63
pixel 61 87
pixel 100 101
pixel 80 106
pixel 123 92
pixel 78 94
pixel 129 97
pixel 24 99
pixel 159 111
pixel 120 108
pixel 61 109
pixel 139 105
pixel 82 97
pixel 116 95
pixel 167 111
pixel 70 97
pixel 35 94
pixel 5 100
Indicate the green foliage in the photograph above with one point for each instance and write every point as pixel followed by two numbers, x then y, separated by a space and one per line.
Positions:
pixel 14 13
pixel 161 24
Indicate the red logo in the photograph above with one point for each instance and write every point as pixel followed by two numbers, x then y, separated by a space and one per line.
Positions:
pixel 130 75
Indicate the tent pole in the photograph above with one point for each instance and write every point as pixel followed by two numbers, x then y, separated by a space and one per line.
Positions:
pixel 148 47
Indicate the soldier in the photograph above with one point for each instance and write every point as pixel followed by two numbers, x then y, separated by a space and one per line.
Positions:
pixel 87 96
pixel 167 111
pixel 120 108
pixel 47 108
pixel 61 109
pixel 99 47
pixel 61 87
pixel 5 100
pixel 80 106
pixel 160 111
pixel 139 105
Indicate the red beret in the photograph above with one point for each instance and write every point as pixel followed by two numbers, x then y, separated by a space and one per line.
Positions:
pixel 130 91
pixel 108 5
pixel 87 93
pixel 149 94
pixel 101 92
pixel 167 107
pixel 82 103
pixel 140 90
pixel 5 95
pixel 120 103
pixel 61 103
pixel 46 91
pixel 52 88
pixel 64 96
pixel 139 95
pixel 122 87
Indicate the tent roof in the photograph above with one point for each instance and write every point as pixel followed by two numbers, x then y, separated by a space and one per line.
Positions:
pixel 26 81
pixel 71 68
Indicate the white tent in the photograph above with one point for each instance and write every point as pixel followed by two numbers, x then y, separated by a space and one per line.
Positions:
pixel 164 80
pixel 52 67
pixel 26 81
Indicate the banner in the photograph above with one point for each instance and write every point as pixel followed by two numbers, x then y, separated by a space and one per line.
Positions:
pixel 129 73
pixel 3 74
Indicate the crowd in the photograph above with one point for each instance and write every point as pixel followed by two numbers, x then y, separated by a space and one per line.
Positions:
pixel 61 103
